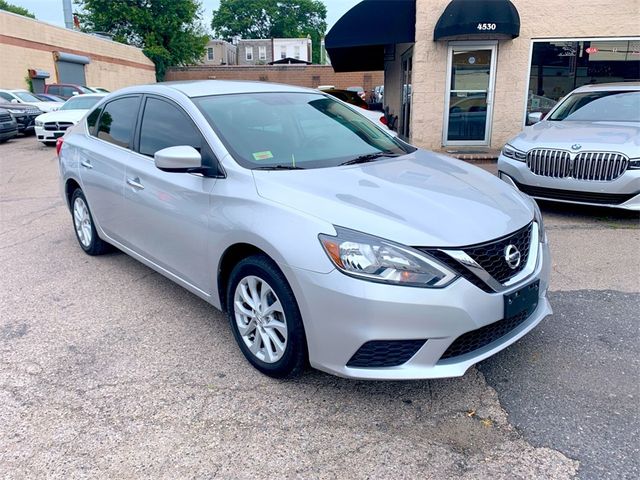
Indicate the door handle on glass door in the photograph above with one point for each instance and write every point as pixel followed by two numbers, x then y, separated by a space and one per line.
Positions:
pixel 86 164
pixel 135 183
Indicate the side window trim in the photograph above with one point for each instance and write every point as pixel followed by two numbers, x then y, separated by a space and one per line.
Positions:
pixel 133 130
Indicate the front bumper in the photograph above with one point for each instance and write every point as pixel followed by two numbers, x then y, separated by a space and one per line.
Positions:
pixel 342 313
pixel 48 135
pixel 623 192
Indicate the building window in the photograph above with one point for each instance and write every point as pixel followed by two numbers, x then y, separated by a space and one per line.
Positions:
pixel 210 54
pixel 248 53
pixel 296 52
pixel 558 67
pixel 283 52
pixel 262 53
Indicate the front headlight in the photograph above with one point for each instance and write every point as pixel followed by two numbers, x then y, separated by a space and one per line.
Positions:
pixel 510 151
pixel 39 123
pixel 538 219
pixel 634 164
pixel 377 260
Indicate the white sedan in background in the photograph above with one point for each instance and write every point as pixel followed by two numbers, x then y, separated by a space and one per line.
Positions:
pixel 51 126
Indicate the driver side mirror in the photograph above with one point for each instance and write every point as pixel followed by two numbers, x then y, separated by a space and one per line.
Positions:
pixel 13 100
pixel 178 159
pixel 534 117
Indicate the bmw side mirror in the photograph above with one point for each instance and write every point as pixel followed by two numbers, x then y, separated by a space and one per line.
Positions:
pixel 178 159
pixel 534 117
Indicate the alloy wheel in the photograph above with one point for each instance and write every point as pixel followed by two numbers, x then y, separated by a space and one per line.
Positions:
pixel 260 319
pixel 82 222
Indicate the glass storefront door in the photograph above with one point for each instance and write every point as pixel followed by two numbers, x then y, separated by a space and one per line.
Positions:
pixel 469 94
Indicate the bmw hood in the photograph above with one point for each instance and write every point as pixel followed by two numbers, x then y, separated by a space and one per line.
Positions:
pixel 623 137
pixel 420 199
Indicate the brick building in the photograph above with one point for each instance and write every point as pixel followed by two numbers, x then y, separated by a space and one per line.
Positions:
pixel 310 76
pixel 67 56
pixel 466 73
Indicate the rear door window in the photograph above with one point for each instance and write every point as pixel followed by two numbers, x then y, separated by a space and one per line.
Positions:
pixel 165 125
pixel 118 121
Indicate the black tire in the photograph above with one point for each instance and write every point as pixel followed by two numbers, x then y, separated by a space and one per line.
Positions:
pixel 294 358
pixel 96 246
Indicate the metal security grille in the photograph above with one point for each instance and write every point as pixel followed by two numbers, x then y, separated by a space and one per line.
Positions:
pixel 594 166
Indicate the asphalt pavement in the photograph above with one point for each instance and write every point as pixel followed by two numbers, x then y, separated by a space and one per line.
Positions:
pixel 109 370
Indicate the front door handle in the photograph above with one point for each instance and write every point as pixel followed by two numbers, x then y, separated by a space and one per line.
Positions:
pixel 86 164
pixel 135 183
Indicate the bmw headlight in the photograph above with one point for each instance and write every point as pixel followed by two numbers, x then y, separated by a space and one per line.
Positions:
pixel 537 217
pixel 378 260
pixel 510 151
pixel 634 164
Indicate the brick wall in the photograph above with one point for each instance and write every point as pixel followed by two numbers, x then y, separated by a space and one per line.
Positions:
pixel 26 43
pixel 301 75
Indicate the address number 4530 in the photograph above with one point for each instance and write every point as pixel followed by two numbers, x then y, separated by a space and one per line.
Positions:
pixel 486 26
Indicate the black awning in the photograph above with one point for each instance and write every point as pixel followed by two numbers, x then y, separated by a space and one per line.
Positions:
pixel 478 18
pixel 356 42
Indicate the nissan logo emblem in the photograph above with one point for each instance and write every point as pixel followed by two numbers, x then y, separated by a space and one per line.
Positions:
pixel 512 256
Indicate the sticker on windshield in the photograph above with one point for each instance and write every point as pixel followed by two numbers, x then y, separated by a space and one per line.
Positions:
pixel 262 155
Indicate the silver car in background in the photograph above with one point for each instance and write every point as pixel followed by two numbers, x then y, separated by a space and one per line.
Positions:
pixel 586 150
pixel 325 239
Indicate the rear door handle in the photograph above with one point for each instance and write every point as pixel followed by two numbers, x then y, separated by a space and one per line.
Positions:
pixel 135 183
pixel 86 164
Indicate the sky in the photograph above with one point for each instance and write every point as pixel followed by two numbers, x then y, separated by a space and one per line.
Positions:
pixel 51 10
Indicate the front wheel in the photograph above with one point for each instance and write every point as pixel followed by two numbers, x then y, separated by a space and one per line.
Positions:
pixel 84 227
pixel 265 319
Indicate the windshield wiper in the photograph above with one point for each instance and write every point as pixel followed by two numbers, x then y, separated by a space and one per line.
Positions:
pixel 371 157
pixel 279 167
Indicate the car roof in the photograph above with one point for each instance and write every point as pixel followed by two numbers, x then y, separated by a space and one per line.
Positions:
pixel 84 95
pixel 609 87
pixel 201 88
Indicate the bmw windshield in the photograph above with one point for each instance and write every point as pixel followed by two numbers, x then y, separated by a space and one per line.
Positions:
pixel 295 131
pixel 606 106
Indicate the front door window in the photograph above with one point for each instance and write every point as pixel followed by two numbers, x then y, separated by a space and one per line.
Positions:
pixel 470 95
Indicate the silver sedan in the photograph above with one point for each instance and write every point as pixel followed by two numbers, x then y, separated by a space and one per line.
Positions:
pixel 326 240
pixel 586 150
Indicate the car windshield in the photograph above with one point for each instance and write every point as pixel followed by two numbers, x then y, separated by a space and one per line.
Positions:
pixel 26 97
pixel 295 130
pixel 612 106
pixel 80 103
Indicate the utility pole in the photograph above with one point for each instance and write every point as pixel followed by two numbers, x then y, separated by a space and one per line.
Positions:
pixel 68 14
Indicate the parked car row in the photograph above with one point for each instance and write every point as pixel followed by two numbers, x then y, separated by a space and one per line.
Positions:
pixel 46 114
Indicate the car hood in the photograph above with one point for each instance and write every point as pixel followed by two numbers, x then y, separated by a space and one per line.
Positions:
pixel 45 106
pixel 421 199
pixel 63 116
pixel 621 137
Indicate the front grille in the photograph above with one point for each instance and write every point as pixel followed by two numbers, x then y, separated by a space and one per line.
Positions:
pixel 577 196
pixel 593 166
pixel 5 117
pixel 477 339
pixel 57 126
pixel 491 256
pixel 385 353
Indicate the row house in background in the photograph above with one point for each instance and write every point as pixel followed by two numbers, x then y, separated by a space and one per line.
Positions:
pixel 256 51
pixel 220 52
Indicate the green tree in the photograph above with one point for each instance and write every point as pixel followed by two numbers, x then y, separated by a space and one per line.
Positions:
pixel 15 9
pixel 271 19
pixel 168 31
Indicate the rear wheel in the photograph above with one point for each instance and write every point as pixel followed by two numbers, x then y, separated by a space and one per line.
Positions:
pixel 84 227
pixel 265 319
